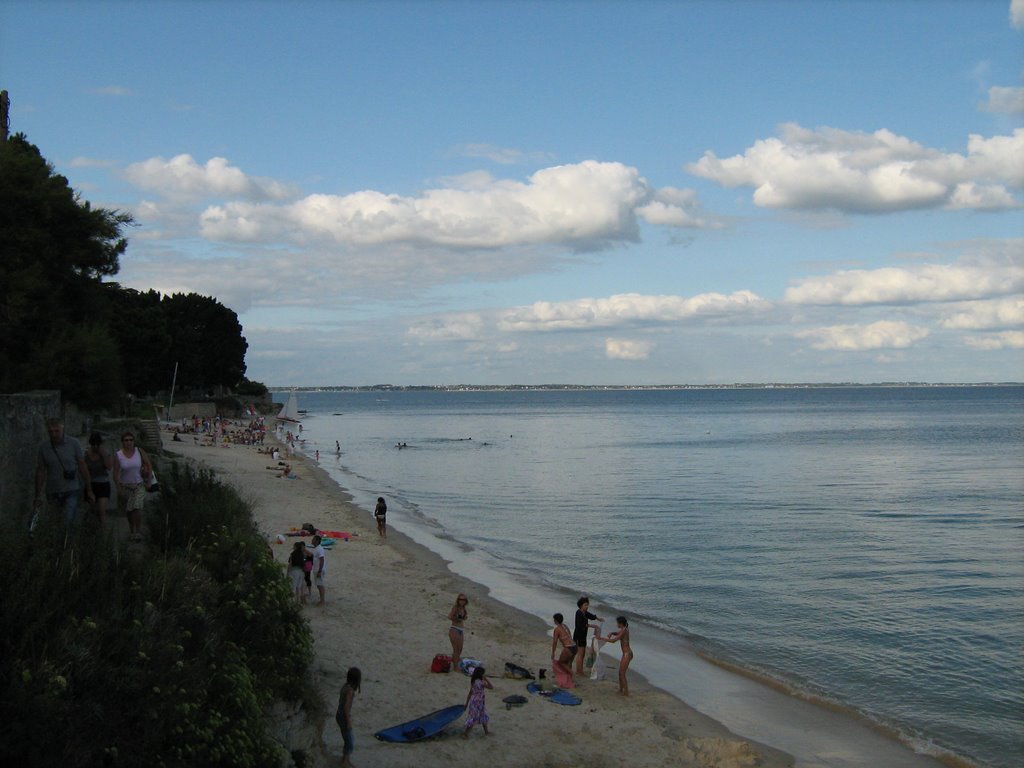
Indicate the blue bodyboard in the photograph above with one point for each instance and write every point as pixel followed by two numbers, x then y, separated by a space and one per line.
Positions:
pixel 557 695
pixel 422 727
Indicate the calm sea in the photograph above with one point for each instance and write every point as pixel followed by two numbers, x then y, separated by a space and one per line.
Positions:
pixel 862 546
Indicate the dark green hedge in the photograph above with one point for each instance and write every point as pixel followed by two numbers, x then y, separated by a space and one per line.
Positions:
pixel 165 656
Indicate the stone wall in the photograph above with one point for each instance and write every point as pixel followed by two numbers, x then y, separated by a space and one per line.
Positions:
pixel 22 428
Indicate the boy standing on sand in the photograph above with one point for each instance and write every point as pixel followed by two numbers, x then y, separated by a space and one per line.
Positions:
pixel 319 568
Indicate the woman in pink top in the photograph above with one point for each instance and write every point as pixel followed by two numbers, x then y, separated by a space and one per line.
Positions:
pixel 131 468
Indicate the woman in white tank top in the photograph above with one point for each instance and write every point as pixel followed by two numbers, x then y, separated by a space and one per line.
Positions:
pixel 131 468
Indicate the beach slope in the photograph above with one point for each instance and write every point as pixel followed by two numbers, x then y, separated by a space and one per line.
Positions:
pixel 386 613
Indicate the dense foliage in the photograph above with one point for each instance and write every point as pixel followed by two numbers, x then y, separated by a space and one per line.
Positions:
pixel 168 657
pixel 64 325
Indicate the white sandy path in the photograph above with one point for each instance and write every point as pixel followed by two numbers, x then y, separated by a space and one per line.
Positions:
pixel 386 612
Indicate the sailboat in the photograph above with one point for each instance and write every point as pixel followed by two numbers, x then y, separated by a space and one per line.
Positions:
pixel 290 412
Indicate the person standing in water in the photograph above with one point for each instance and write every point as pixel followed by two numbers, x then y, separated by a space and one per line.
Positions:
pixel 456 632
pixel 621 636
pixel 380 514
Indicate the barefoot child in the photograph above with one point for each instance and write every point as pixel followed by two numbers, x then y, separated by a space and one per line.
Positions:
pixel 621 636
pixel 476 710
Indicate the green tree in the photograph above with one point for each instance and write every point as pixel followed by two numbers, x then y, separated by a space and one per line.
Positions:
pixel 54 251
pixel 206 341
pixel 139 326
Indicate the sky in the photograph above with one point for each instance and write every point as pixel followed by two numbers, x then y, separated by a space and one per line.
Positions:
pixel 597 193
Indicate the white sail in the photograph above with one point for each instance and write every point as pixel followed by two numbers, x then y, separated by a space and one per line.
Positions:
pixel 290 412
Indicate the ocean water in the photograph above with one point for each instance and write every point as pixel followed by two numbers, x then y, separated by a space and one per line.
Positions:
pixel 861 546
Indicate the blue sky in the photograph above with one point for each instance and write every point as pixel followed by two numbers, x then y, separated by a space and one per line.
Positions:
pixel 556 192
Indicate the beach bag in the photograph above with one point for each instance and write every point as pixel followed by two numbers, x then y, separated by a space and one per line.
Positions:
pixel 152 486
pixel 441 663
pixel 308 565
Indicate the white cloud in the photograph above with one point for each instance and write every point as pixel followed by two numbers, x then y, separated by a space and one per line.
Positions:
pixel 884 334
pixel 624 349
pixel 90 162
pixel 589 205
pixel 879 172
pixel 675 208
pixel 1005 100
pixel 500 155
pixel 921 283
pixel 464 326
pixel 627 309
pixel 183 177
pixel 111 90
pixel 586 206
pixel 993 341
pixel 1017 14
pixel 982 315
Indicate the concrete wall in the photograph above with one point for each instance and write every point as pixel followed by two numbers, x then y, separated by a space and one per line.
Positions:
pixel 186 410
pixel 22 428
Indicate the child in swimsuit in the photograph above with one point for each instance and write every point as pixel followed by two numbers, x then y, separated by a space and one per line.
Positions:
pixel 621 636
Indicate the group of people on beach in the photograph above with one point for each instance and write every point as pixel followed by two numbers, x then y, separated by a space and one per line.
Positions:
pixel 306 567
pixel 65 474
pixel 574 645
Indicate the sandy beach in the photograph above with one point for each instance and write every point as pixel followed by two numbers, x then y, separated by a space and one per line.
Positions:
pixel 386 613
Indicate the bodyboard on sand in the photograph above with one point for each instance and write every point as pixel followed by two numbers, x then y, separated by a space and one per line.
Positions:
pixel 515 672
pixel 557 695
pixel 422 727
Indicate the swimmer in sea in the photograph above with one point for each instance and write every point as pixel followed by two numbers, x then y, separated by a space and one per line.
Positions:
pixel 621 636
pixel 456 632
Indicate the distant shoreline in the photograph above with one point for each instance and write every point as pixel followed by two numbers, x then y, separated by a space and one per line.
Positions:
pixel 629 387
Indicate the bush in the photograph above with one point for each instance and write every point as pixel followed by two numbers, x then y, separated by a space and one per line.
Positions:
pixel 166 659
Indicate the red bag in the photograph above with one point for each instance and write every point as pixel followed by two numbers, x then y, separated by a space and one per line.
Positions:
pixel 441 663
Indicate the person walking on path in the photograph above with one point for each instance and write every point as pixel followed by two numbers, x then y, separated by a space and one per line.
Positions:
pixel 457 630
pixel 579 635
pixel 319 568
pixel 621 636
pixel 343 717
pixel 100 464
pixel 476 704
pixel 380 513
pixel 131 468
pixel 61 474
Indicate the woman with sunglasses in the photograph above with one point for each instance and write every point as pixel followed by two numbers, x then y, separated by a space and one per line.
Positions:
pixel 456 632
pixel 131 468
